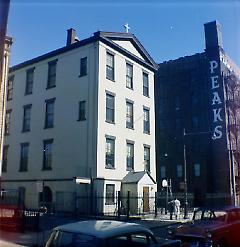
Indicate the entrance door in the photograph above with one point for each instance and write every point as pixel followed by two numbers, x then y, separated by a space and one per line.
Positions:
pixel 146 199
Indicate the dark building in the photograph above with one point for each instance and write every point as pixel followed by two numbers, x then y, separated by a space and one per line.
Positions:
pixel 198 107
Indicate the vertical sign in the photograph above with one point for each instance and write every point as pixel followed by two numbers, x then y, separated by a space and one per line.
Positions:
pixel 216 100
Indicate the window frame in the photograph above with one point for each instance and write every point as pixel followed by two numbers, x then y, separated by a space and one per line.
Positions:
pixel 7 122
pixel 83 66
pixel 145 84
pixel 51 79
pixel 24 156
pixel 110 67
pixel 10 87
pixel 82 111
pixel 130 115
pixel 48 114
pixel 110 200
pixel 111 108
pixel 147 162
pixel 179 171
pixel 146 122
pixel 29 83
pixel 46 159
pixel 5 158
pixel 26 119
pixel 129 76
pixel 131 157
pixel 109 140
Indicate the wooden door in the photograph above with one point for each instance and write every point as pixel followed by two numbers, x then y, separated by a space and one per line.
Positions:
pixel 146 199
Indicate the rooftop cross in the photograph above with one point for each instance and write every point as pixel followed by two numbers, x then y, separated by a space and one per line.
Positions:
pixel 126 27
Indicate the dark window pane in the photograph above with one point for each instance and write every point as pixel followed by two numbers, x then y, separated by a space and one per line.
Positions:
pixel 29 81
pixel 82 111
pixel 110 194
pixel 129 115
pixel 83 66
pixel 10 87
pixel 5 158
pixel 47 154
pixel 24 157
pixel 129 76
pixel 110 153
pixel 110 66
pixel 49 118
pixel 147 158
pixel 52 66
pixel 110 108
pixel 145 84
pixel 130 156
pixel 26 118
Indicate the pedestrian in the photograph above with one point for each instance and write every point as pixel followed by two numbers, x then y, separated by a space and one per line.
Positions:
pixel 171 208
pixel 177 208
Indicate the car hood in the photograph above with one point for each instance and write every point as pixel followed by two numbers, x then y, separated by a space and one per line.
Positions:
pixel 197 228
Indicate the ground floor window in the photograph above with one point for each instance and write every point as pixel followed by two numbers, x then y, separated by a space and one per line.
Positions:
pixel 110 194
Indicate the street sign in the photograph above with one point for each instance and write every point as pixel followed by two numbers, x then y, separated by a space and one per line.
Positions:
pixel 39 186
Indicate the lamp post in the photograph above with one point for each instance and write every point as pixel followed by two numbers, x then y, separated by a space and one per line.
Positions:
pixel 185 178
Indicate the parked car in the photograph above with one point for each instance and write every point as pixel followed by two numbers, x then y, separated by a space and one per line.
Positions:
pixel 210 228
pixel 105 233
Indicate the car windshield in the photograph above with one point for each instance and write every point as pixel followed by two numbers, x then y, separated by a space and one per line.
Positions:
pixel 67 239
pixel 210 215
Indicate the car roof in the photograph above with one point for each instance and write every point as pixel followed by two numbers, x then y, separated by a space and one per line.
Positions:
pixel 103 228
pixel 223 208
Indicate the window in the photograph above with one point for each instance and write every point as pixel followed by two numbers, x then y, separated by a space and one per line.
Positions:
pixel 195 122
pixel 49 115
pixel 145 84
pixel 163 171
pixel 129 115
pixel 82 111
pixel 179 171
pixel 24 157
pixel 83 66
pixel 177 103
pixel 10 87
pixel 146 121
pixel 147 158
pixel 5 158
pixel 52 66
pixel 26 117
pixel 47 154
pixel 129 76
pixel 110 66
pixel 110 112
pixel 196 170
pixel 110 194
pixel 29 81
pixel 7 122
pixel 130 156
pixel 110 153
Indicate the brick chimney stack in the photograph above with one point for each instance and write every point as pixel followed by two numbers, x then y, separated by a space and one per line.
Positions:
pixel 71 36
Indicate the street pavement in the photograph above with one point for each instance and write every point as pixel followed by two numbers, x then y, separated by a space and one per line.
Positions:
pixel 29 238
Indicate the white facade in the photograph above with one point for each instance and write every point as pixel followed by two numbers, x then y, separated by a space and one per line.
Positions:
pixel 78 147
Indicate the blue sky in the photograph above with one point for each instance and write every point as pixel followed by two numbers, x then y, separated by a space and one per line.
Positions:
pixel 167 29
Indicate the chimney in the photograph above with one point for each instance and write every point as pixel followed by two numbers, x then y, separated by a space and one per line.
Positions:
pixel 213 35
pixel 71 36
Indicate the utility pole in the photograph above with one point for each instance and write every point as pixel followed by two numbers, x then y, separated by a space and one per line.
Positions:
pixel 185 178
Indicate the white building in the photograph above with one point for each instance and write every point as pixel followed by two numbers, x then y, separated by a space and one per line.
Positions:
pixel 78 120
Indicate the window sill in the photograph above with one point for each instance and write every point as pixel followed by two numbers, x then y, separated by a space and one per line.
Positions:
pixel 22 170
pixel 147 133
pixel 48 127
pixel 131 88
pixel 147 96
pixel 110 167
pixel 46 169
pixel 131 128
pixel 50 87
pixel 24 131
pixel 110 79
pixel 80 120
pixel 109 122
pixel 82 75
pixel 130 169
pixel 28 94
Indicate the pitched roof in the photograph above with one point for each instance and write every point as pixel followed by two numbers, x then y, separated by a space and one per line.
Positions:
pixel 105 37
pixel 135 177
